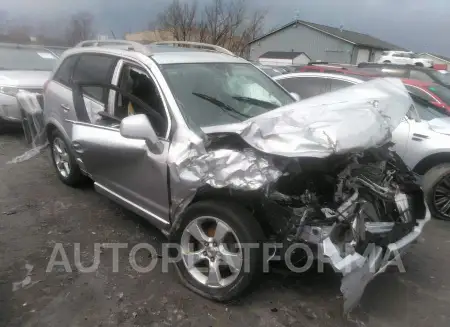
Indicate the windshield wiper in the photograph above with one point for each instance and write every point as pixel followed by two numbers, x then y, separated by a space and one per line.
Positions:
pixel 220 104
pixel 257 102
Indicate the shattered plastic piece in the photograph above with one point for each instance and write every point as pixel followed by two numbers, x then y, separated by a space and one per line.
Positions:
pixel 32 117
pixel 28 154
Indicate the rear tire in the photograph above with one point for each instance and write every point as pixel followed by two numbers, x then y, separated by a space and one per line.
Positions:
pixel 242 228
pixel 64 161
pixel 419 64
pixel 435 182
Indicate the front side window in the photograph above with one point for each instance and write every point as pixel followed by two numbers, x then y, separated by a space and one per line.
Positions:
pixel 92 68
pixel 307 87
pixel 26 59
pixel 136 82
pixel 220 93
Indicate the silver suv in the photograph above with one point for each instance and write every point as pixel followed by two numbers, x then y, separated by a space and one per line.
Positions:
pixel 222 159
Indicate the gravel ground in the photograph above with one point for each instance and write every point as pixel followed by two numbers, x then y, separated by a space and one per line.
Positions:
pixel 37 211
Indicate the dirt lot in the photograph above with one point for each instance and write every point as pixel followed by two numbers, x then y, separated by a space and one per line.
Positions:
pixel 37 211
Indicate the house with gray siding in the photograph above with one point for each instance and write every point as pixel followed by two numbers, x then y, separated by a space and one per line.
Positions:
pixel 320 43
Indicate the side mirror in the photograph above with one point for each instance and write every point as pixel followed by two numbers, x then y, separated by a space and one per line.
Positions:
pixel 295 96
pixel 138 127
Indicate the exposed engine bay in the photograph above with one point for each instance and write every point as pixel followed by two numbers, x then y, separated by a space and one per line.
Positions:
pixel 349 207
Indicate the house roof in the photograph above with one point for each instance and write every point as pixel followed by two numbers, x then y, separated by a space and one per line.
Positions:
pixel 282 54
pixel 345 35
pixel 438 56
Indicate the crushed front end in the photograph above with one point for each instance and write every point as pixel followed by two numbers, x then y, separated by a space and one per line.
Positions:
pixel 359 211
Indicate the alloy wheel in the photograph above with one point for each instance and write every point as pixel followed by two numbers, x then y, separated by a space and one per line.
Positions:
pixel 211 252
pixel 61 157
pixel 441 196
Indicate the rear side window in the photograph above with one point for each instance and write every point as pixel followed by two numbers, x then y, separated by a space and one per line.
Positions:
pixel 420 93
pixel 64 73
pixel 421 76
pixel 306 87
pixel 94 69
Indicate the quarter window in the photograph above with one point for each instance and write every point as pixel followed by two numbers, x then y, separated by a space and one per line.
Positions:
pixel 93 68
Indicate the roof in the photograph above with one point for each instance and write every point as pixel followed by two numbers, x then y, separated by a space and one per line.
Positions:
pixel 351 79
pixel 282 54
pixel 345 35
pixel 438 56
pixel 163 56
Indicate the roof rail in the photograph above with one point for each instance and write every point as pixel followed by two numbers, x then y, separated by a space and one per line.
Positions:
pixel 129 45
pixel 208 46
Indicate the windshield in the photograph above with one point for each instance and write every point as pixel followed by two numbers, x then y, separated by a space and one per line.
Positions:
pixel 26 59
pixel 221 93
pixel 442 77
pixel 441 91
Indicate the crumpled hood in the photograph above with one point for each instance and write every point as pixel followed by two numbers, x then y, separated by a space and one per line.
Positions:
pixel 351 119
pixel 440 125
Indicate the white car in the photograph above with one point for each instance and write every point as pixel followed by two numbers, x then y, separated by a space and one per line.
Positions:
pixel 422 139
pixel 404 58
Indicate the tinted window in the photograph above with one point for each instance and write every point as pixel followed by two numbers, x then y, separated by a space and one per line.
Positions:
pixel 419 93
pixel 64 73
pixel 95 69
pixel 421 76
pixel 339 84
pixel 306 87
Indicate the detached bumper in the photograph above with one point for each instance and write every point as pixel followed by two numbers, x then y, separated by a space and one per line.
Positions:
pixel 358 270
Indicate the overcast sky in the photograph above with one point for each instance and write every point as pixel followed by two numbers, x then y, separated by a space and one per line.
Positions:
pixel 416 24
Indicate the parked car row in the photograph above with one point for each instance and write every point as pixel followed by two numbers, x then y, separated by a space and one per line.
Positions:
pixel 22 67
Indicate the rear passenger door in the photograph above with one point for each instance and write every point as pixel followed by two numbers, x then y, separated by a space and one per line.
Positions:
pixel 94 68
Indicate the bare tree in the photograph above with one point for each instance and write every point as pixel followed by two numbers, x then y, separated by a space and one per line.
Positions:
pixel 221 22
pixel 80 28
pixel 179 18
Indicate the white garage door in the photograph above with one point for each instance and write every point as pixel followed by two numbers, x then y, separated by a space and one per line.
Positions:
pixel 363 56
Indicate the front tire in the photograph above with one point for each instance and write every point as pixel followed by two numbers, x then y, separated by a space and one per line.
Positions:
pixel 419 64
pixel 386 62
pixel 436 185
pixel 64 162
pixel 212 259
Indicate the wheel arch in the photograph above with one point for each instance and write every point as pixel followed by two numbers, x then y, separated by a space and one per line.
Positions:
pixel 431 161
pixel 253 201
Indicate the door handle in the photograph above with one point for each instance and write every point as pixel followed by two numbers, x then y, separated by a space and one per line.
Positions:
pixel 65 107
pixel 77 147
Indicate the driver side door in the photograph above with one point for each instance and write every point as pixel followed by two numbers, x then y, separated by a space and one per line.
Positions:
pixel 123 169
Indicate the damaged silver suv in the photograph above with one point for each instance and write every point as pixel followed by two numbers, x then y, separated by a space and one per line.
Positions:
pixel 224 161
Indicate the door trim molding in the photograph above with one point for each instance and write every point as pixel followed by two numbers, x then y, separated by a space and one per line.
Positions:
pixel 155 219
